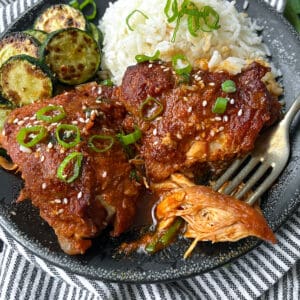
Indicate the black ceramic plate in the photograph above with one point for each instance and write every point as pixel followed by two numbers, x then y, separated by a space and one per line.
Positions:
pixel 100 262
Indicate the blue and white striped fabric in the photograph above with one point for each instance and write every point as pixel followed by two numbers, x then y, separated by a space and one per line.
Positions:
pixel 269 271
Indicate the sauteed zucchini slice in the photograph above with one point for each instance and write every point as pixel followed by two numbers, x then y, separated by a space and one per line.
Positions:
pixel 96 34
pixel 23 80
pixel 18 43
pixel 72 54
pixel 38 34
pixel 3 115
pixel 60 16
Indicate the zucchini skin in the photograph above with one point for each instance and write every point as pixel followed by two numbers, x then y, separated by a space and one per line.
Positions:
pixel 37 34
pixel 24 80
pixel 72 54
pixel 60 16
pixel 96 33
pixel 17 43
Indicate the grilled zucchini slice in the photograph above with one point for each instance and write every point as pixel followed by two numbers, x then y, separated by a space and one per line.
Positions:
pixel 60 16
pixel 72 54
pixel 38 34
pixel 23 80
pixel 18 43
pixel 96 34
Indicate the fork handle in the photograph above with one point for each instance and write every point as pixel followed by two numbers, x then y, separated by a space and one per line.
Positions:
pixel 289 116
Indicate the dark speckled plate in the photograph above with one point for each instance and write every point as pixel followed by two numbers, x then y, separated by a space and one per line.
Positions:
pixel 100 262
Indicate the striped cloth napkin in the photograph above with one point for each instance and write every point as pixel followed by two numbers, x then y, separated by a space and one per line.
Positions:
pixel 268 272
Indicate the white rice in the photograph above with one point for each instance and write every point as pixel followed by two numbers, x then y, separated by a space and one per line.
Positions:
pixel 228 47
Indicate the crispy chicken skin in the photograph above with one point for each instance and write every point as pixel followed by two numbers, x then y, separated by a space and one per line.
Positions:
pixel 188 132
pixel 102 193
pixel 210 216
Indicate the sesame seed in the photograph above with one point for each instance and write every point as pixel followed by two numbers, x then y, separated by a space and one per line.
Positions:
pixel 212 133
pixel 58 201
pixel 185 99
pixel 81 120
pixel 150 66
pixel 104 174
pixel 20 123
pixel 25 149
pixel 240 112
pixel 231 101
pixel 44 186
pixel 221 128
pixel 60 211
pixel 84 107
pixel 65 200
pixel 3 132
pixel 33 118
pixel 179 136
pixel 16 120
pixel 189 110
pixel 218 118
pixel 74 122
pixel 204 103
pixel 26 118
pixel 166 70
pixel 87 120
pixel 212 84
pixel 155 143
pixel 13 213
pixel 154 131
pixel 79 195
pixel 225 118
pixel 42 158
pixel 62 150
pixel 36 122
pixel 50 145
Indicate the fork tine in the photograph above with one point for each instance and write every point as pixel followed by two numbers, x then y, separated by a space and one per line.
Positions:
pixel 228 173
pixel 251 182
pixel 241 176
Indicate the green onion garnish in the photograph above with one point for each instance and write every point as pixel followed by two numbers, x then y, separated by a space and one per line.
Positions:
pixel 142 58
pixel 107 82
pixel 83 5
pixel 211 17
pixel 150 109
pixel 76 159
pixel 25 139
pixel 131 14
pixel 220 105
pixel 228 86
pixel 67 135
pixel 107 141
pixel 58 113
pixel 174 7
pixel 181 65
pixel 130 138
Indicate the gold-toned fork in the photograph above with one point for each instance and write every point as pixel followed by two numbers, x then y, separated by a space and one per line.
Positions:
pixel 262 166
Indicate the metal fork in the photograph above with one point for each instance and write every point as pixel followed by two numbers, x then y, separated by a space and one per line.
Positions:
pixel 262 166
pixel 279 5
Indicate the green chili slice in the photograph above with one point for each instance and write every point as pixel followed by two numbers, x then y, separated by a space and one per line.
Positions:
pixel 142 58
pixel 83 5
pixel 181 64
pixel 228 86
pixel 150 109
pixel 130 138
pixel 76 159
pixel 131 14
pixel 103 138
pixel 67 135
pixel 163 240
pixel 173 6
pixel 220 105
pixel 58 113
pixel 107 82
pixel 24 135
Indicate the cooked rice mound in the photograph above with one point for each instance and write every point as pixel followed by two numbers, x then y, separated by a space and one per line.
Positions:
pixel 227 48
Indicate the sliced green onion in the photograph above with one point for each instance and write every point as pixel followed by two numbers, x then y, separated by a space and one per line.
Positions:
pixel 171 6
pixel 220 105
pixel 131 14
pixel 142 58
pixel 58 113
pixel 83 5
pixel 211 17
pixel 107 82
pixel 161 241
pixel 181 64
pixel 150 109
pixel 130 138
pixel 24 133
pixel 68 133
pixel 103 138
pixel 76 159
pixel 228 86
